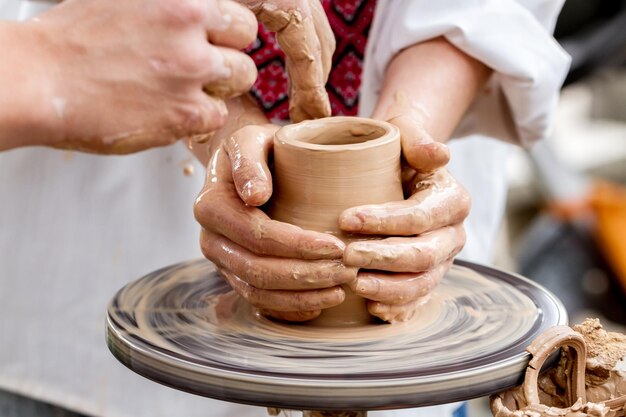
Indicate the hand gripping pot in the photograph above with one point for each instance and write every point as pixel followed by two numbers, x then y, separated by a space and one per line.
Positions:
pixel 524 401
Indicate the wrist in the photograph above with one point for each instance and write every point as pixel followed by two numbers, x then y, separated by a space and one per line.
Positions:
pixel 242 111
pixel 29 112
pixel 398 104
pixel 440 81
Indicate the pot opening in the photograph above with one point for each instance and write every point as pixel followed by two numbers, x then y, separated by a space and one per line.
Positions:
pixel 343 133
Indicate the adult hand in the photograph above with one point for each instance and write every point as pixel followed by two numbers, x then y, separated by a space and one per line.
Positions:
pixel 126 76
pixel 426 229
pixel 285 271
pixel 304 34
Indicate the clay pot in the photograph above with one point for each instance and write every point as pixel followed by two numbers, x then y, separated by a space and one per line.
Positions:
pixel 324 166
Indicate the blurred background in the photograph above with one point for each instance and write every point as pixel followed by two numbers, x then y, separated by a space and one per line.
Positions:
pixel 566 214
pixel 565 223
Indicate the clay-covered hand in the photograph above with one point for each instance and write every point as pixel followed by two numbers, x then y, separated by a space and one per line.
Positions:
pixel 285 271
pixel 304 34
pixel 129 75
pixel 425 230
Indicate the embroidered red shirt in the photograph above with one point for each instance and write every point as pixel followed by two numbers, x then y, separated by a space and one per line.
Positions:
pixel 351 21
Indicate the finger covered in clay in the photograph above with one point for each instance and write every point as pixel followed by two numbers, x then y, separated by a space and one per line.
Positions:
pixel 272 273
pixel 325 35
pixel 297 36
pixel 239 29
pixel 308 98
pixel 248 150
pixel 220 210
pixel 238 76
pixel 394 313
pixel 407 254
pixel 419 149
pixel 283 300
pixel 398 289
pixel 438 200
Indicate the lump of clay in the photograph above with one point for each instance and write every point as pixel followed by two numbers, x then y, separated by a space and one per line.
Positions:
pixel 589 379
pixel 605 376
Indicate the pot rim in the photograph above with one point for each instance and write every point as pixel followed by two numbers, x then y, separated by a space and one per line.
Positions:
pixel 292 134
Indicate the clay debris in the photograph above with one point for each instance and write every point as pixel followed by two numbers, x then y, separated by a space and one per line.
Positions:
pixel 604 376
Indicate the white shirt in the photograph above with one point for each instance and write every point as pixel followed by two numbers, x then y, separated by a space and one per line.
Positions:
pixel 77 227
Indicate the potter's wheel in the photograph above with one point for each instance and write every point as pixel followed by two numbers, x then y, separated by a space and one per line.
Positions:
pixel 183 327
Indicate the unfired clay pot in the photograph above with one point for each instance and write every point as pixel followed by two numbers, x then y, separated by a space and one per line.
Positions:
pixel 324 166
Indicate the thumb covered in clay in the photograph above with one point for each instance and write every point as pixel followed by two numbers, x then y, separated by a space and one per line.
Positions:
pixel 419 149
pixel 248 150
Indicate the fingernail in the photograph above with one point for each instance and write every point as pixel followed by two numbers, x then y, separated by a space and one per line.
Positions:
pixel 348 275
pixel 357 255
pixel 350 223
pixel 254 192
pixel 326 249
pixel 360 287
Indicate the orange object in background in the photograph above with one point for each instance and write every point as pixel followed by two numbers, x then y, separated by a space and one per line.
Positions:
pixel 604 208
pixel 571 210
pixel 609 205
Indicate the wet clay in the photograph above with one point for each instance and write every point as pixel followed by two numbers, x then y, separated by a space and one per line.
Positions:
pixel 286 413
pixel 193 316
pixel 308 43
pixel 185 327
pixel 188 170
pixel 590 377
pixel 323 167
pixel 605 373
pixel 606 361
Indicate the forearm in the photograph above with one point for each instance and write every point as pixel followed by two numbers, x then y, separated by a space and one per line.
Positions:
pixel 242 111
pixel 434 81
pixel 26 109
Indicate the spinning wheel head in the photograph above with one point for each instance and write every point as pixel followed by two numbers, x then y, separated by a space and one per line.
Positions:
pixel 182 326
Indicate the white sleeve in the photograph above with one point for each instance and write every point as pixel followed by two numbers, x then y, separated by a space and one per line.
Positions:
pixel 511 37
pixel 9 9
pixel 31 8
pixel 24 9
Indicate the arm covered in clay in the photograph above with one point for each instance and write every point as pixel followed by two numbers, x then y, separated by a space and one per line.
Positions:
pixel 124 83
pixel 306 38
pixel 427 89
pixel 285 271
